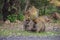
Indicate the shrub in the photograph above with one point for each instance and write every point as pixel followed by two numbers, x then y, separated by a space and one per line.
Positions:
pixel 12 18
pixel 49 9
pixel 20 17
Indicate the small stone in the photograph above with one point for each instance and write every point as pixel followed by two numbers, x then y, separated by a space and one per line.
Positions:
pixel 7 22
pixel 17 21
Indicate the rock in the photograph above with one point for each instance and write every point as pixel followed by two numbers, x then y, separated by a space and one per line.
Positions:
pixel 20 27
pixel 7 22
pixel 52 27
pixel 49 27
pixel 56 27
pixel 17 21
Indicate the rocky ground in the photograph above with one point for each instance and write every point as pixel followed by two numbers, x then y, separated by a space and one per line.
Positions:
pixel 19 26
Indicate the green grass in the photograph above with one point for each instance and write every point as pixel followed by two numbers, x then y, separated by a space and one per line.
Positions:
pixel 24 33
pixel 56 21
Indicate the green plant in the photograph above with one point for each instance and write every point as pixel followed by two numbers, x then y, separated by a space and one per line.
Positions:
pixel 51 9
pixel 48 10
pixel 12 18
pixel 20 17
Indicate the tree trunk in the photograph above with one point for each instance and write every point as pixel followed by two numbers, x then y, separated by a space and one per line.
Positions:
pixel 27 4
pixel 5 10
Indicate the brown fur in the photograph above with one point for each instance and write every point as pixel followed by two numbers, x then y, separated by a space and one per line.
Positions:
pixel 32 12
pixel 40 23
pixel 42 19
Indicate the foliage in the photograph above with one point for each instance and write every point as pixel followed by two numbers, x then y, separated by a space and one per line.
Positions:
pixel 49 9
pixel 1 4
pixel 20 16
pixel 15 17
pixel 39 3
pixel 22 2
pixel 43 5
pixel 58 9
pixel 12 18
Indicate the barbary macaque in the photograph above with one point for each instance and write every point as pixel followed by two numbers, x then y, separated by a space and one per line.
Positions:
pixel 31 14
pixel 40 23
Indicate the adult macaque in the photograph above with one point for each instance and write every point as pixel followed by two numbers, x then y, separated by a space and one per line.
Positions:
pixel 31 14
pixel 40 23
